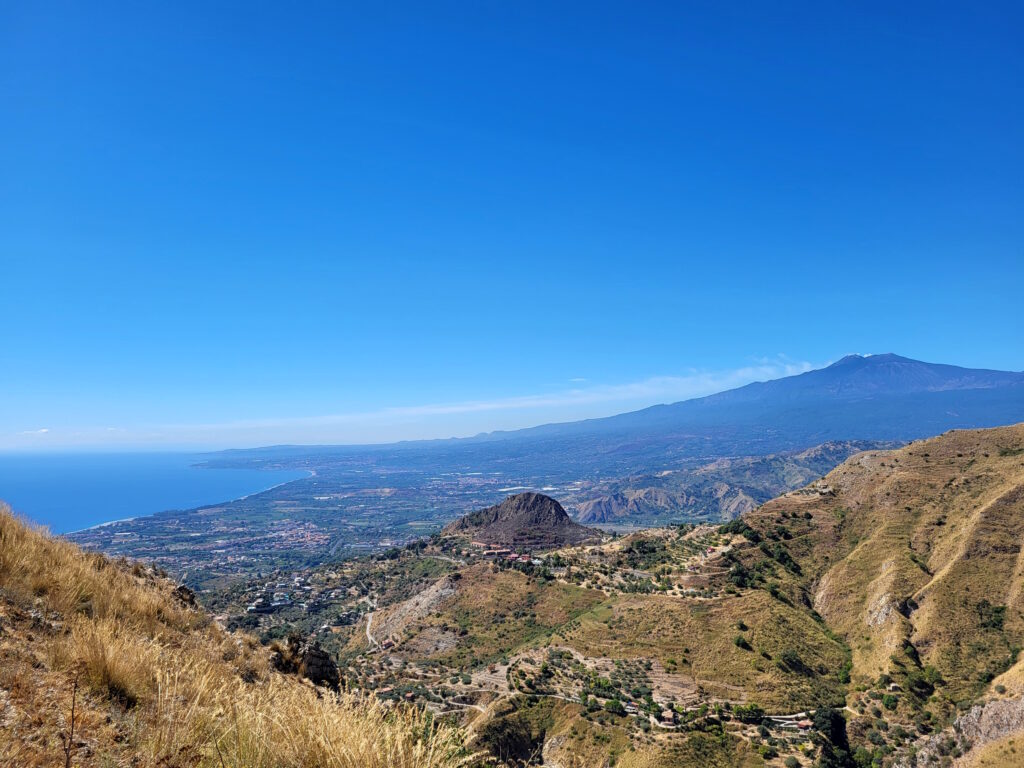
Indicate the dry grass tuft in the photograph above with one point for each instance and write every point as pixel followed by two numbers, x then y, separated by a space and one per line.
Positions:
pixel 116 663
pixel 162 685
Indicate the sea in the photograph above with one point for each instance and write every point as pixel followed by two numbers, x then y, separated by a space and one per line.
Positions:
pixel 69 492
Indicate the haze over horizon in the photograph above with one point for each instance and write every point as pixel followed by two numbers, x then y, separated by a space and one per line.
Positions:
pixel 236 226
pixel 577 400
pixel 426 421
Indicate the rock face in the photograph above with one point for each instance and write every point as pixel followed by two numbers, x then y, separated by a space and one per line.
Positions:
pixel 306 659
pixel 980 726
pixel 524 520
pixel 316 665
pixel 185 595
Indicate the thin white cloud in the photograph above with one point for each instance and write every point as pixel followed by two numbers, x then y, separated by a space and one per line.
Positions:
pixel 654 389
pixel 42 431
pixel 443 419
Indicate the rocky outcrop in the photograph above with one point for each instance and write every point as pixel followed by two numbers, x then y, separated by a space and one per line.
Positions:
pixel 185 595
pixel 981 725
pixel 316 665
pixel 527 520
pixel 306 659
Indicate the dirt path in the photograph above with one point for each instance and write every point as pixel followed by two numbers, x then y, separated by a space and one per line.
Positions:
pixel 374 645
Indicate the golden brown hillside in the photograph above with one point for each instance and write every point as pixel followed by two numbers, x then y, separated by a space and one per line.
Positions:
pixel 919 545
pixel 147 679
pixel 914 557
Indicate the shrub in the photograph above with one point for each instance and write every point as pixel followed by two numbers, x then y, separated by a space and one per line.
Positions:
pixel 615 707
pixel 749 713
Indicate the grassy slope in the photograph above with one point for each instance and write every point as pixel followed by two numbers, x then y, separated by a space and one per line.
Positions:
pixel 159 683
pixel 919 545
pixel 1007 752
pixel 915 558
pixel 700 635
pixel 498 613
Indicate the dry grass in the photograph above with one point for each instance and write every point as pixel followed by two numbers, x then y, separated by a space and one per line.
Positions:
pixel 500 611
pixel 281 724
pixel 162 685
pixel 701 635
pixel 1007 752
pixel 936 526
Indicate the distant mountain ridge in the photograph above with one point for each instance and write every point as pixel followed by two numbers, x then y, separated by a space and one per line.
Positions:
pixel 852 378
pixel 523 520
pixel 657 466
pixel 860 397
pixel 882 397
pixel 857 376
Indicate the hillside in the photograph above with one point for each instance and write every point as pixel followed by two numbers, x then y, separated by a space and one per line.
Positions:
pixel 526 520
pixel 104 663
pixel 710 491
pixel 909 546
pixel 854 621
pixel 883 599
pixel 915 557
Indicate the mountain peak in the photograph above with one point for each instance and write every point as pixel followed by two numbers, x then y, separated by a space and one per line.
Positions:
pixel 522 520
pixel 888 374
pixel 847 360
pixel 884 357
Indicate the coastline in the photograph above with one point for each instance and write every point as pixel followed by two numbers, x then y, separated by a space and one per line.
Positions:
pixel 310 473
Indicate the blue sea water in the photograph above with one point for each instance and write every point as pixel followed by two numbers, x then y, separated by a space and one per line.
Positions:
pixel 68 492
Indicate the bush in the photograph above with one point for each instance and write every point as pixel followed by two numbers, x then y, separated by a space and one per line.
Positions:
pixel 790 660
pixel 749 713
pixel 615 707
pixel 508 738
pixel 991 616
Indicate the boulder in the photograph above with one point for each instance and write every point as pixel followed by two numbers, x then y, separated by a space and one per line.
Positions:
pixel 316 665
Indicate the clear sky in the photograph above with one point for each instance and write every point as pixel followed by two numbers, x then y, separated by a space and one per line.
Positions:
pixel 349 222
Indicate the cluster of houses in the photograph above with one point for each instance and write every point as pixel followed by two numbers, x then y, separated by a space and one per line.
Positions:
pixel 281 594
pixel 503 553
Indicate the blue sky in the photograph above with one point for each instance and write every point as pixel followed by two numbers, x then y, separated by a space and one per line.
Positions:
pixel 262 222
